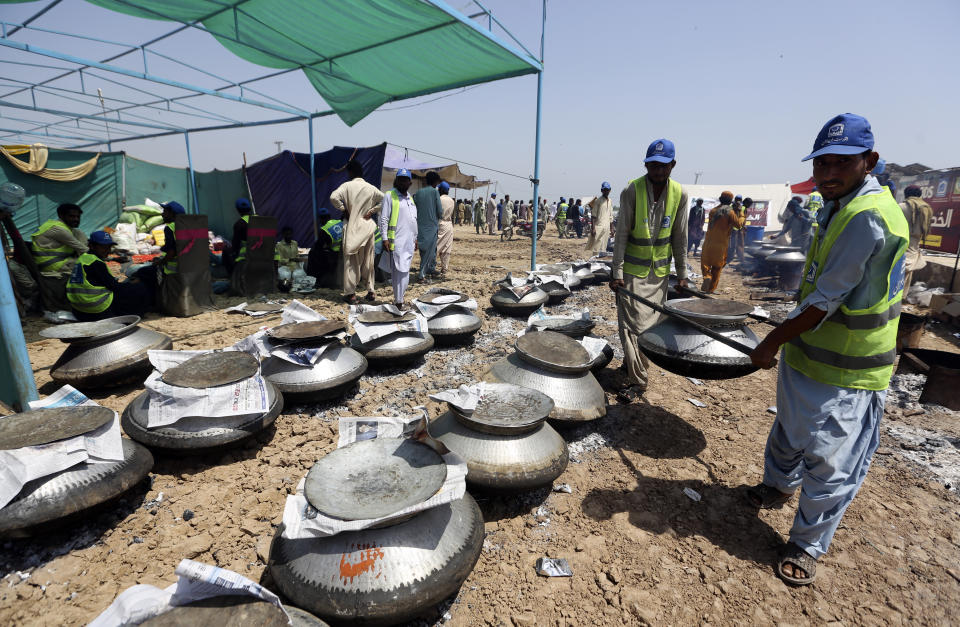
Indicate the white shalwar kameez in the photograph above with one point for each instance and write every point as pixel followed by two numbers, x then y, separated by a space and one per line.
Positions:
pixel 397 262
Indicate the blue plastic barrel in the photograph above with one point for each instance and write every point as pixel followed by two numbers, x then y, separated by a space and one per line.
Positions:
pixel 754 233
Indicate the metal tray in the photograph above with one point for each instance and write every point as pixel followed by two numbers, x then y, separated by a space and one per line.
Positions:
pixel 374 478
pixel 710 311
pixel 573 327
pixel 431 299
pixel 505 408
pixel 374 317
pixel 42 426
pixel 302 331
pixel 268 307
pixel 553 351
pixel 83 331
pixel 212 369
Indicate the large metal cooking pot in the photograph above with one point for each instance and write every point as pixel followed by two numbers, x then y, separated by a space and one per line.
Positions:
pixel 576 396
pixel 382 576
pixel 195 433
pixel 335 372
pixel 524 460
pixel 556 292
pixel 788 257
pixel 454 325
pixel 507 303
pixel 397 349
pixel 104 353
pixel 73 490
pixel 582 271
pixel 677 347
pixel 789 265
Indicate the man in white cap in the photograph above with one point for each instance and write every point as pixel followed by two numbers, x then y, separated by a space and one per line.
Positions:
pixel 601 211
pixel 651 229
pixel 839 347
pixel 398 219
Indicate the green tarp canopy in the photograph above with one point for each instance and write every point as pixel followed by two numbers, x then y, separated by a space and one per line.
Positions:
pixel 358 55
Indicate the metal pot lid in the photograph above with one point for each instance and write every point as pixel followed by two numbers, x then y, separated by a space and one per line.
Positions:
pixel 790 256
pixel 507 408
pixel 443 299
pixel 574 327
pixel 42 426
pixel 785 247
pixel 233 610
pixel 374 478
pixel 710 310
pixel 553 351
pixel 374 317
pixel 98 330
pixel 301 331
pixel 268 307
pixel 212 369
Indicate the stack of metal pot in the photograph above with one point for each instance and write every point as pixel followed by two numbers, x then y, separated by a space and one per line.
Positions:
pixel 299 373
pixel 451 316
pixel 682 349
pixel 394 565
pixel 402 338
pixel 78 487
pixel 202 375
pixel 558 366
pixel 504 439
pixel 104 353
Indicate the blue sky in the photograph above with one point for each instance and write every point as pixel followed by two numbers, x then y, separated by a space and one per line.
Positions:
pixel 741 87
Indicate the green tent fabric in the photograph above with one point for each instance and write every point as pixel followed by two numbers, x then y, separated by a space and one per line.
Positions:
pixel 358 55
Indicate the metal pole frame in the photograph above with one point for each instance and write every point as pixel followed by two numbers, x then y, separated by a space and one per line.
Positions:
pixel 13 341
pixel 313 184
pixel 536 153
pixel 193 180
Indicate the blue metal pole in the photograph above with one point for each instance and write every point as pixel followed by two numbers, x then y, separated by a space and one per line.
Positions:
pixel 14 343
pixel 536 152
pixel 313 184
pixel 193 180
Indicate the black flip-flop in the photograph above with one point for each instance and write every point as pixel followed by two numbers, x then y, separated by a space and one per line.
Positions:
pixel 370 297
pixel 798 558
pixel 629 394
pixel 764 496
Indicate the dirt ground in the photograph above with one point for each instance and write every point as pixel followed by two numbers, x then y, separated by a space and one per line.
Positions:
pixel 640 549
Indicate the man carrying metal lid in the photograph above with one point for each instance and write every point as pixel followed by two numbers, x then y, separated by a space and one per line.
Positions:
pixel 839 348
pixel 651 230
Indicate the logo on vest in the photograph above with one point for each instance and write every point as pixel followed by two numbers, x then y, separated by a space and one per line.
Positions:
pixel 897 276
pixel 812 273
pixel 666 222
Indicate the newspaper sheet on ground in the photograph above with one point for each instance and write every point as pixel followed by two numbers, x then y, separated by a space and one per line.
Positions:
pixel 302 520
pixel 169 403
pixel 367 332
pixel 465 398
pixel 594 345
pixel 20 466
pixel 195 581
pixel 429 310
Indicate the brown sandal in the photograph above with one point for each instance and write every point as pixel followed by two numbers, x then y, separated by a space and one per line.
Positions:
pixel 763 496
pixel 798 558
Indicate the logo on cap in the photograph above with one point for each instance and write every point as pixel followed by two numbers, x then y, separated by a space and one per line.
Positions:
pixel 659 147
pixel 835 131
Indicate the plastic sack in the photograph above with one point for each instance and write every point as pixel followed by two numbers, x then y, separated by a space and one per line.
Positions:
pixel 151 223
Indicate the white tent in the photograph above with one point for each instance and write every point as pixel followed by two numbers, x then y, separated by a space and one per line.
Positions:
pixel 775 195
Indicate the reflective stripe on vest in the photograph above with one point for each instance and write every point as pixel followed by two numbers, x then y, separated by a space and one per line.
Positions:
pixel 83 295
pixel 334 228
pixel 394 216
pixel 50 259
pixel 854 348
pixel 562 211
pixel 243 247
pixel 643 251
pixel 170 267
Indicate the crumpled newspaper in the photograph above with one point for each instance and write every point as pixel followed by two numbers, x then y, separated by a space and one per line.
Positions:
pixel 429 310
pixel 369 331
pixel 464 398
pixel 302 520
pixel 261 346
pixel 195 581
pixel 519 287
pixel 169 403
pixel 22 465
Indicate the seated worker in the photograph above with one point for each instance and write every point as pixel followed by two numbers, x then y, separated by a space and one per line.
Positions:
pixel 288 251
pixel 239 241
pixel 56 246
pixel 168 260
pixel 94 293
pixel 325 254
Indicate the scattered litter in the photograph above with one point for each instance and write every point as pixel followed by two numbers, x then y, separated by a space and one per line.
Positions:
pixel 187 514
pixel 696 403
pixel 549 567
pixel 772 410
pixel 563 487
pixel 693 494
pixel 694 381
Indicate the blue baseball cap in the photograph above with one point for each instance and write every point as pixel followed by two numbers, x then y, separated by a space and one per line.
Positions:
pixel 880 167
pixel 845 134
pixel 493 195
pixel 242 203
pixel 404 172
pixel 661 151
pixel 444 186
pixel 102 237
pixel 174 206
pixel 738 197
pixel 605 185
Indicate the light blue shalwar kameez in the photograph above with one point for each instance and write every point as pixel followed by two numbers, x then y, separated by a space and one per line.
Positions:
pixel 824 436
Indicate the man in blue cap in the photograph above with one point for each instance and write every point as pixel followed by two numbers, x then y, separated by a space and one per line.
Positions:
pixel 94 293
pixel 601 215
pixel 427 200
pixel 651 230
pixel 398 221
pixel 839 347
